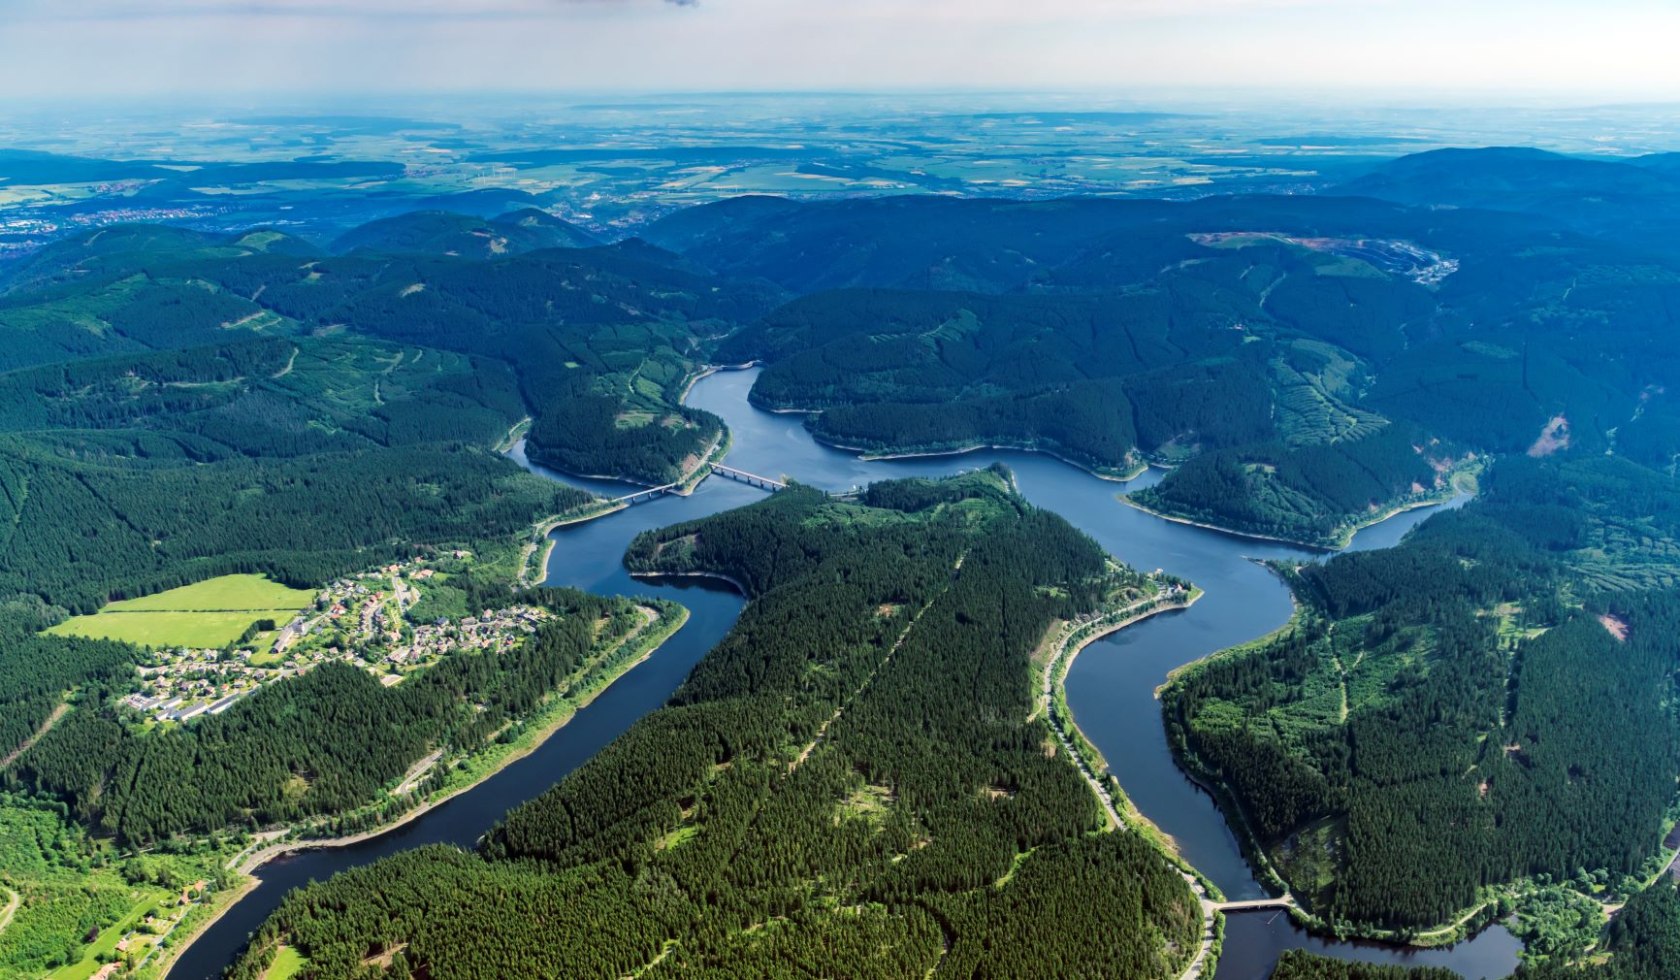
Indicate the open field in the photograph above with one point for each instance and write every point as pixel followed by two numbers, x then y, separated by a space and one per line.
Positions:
pixel 222 594
pixel 288 962
pixel 167 629
pixel 211 613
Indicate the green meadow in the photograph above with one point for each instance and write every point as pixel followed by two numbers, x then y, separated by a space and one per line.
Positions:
pixel 211 613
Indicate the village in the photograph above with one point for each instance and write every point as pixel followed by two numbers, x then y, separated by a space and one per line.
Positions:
pixel 366 621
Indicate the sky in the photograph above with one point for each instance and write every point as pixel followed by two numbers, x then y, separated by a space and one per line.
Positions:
pixel 1579 51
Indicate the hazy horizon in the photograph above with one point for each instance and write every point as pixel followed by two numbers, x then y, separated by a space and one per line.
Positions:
pixel 1339 52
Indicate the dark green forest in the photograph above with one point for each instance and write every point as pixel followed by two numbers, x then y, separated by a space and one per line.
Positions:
pixel 849 784
pixel 323 743
pixel 813 798
pixel 1297 964
pixel 596 341
pixel 182 405
pixel 1303 364
pixel 448 233
pixel 1490 700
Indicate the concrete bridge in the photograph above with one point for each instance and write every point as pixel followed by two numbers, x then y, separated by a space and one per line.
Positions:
pixel 750 479
pixel 643 496
pixel 729 473
pixel 1255 904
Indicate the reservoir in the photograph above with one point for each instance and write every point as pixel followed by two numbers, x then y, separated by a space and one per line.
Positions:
pixel 1110 687
pixel 586 556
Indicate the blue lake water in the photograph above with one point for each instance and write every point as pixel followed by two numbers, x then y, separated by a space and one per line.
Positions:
pixel 1111 688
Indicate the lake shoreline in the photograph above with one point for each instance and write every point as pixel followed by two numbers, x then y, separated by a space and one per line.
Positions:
pixel 870 456
pixel 1438 936
pixel 1056 675
pixel 1344 537
pixel 1120 537
pixel 222 906
pixel 255 860
pixel 716 576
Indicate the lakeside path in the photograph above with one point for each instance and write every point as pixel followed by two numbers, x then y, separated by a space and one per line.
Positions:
pixel 872 456
pixel 1122 815
pixel 535 572
pixel 515 432
pixel 535 555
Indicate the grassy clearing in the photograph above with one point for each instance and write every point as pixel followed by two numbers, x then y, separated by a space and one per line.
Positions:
pixel 868 802
pixel 677 838
pixel 212 613
pixel 166 629
pixel 288 963
pixel 223 593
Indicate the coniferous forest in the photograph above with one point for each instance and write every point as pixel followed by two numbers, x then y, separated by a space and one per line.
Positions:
pixel 818 791
pixel 1490 700
pixel 1475 725
pixel 324 743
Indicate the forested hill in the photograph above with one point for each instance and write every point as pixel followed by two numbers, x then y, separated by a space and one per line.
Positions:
pixel 817 797
pixel 1466 721
pixel 1297 964
pixel 324 743
pixel 176 406
pixel 1304 363
pixel 1624 200
pixel 599 340
pixel 447 233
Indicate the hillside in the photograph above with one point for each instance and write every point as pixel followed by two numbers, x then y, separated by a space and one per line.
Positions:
pixel 1620 200
pixel 467 236
pixel 1458 721
pixel 812 799
pixel 1305 364
pixel 183 406
pixel 599 339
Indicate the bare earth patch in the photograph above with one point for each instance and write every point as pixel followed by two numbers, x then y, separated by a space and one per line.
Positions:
pixel 1553 437
pixel 383 960
pixel 1616 627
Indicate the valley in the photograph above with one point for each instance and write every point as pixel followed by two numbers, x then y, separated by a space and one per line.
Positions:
pixel 770 442
pixel 260 489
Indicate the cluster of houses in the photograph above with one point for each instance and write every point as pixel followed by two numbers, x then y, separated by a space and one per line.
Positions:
pixel 365 621
pixel 138 945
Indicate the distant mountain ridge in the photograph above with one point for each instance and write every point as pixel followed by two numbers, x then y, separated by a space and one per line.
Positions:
pixel 1635 199
pixel 451 233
